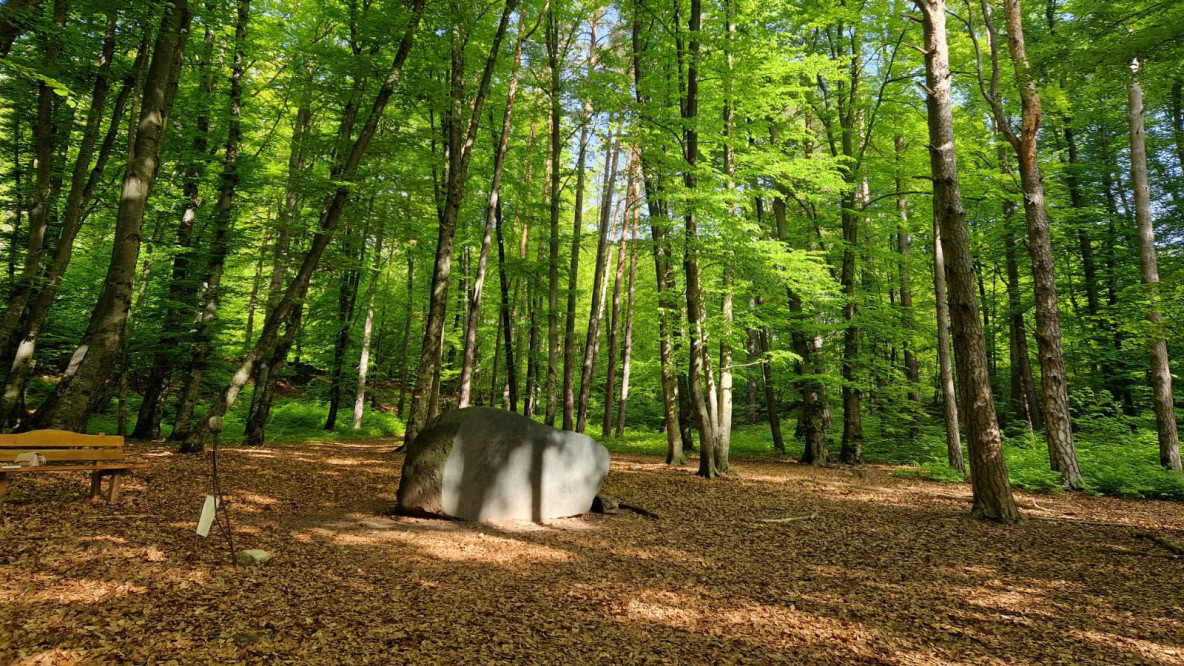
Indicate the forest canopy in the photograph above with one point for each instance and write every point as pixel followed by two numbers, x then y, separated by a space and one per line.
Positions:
pixel 948 236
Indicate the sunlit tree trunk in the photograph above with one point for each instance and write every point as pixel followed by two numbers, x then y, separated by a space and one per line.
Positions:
pixel 627 356
pixel 659 233
pixel 68 408
pixel 991 488
pixel 461 138
pixel 343 174
pixel 599 284
pixel 368 328
pixel 1161 371
pixel 614 329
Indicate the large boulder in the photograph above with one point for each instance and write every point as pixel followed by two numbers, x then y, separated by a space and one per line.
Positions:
pixel 489 465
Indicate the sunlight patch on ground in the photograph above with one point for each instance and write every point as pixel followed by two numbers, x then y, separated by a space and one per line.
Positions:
pixel 1135 647
pixel 71 591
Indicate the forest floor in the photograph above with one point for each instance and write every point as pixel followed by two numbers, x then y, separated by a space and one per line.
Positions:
pixel 885 570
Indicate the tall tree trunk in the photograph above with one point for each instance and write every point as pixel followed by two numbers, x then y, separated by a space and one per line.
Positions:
pixel 224 215
pixel 491 214
pixel 343 174
pixel 69 407
pixel 610 375
pixel 367 329
pixel 949 401
pixel 599 283
pixel 83 182
pixel 404 369
pixel 699 367
pixel 460 153
pixel 1024 400
pixel 912 369
pixel 267 373
pixel 556 160
pixel 347 297
pixel 182 284
pixel 1053 380
pixel 992 490
pixel 1161 372
pixel 627 354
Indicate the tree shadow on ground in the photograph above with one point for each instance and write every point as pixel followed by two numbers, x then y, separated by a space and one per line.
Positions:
pixel 895 578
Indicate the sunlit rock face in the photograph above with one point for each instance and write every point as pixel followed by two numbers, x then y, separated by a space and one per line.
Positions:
pixel 489 465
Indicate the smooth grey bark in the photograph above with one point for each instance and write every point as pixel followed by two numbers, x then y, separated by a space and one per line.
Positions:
pixel 461 138
pixel 343 174
pixel 614 329
pixel 83 182
pixel 599 285
pixel 69 407
pixel 627 353
pixel 182 283
pixel 368 327
pixel 1161 371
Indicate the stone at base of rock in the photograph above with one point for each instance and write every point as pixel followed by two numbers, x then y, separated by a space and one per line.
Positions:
pixel 253 557
pixel 605 504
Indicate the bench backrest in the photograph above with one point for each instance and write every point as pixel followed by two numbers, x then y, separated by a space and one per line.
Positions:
pixel 61 446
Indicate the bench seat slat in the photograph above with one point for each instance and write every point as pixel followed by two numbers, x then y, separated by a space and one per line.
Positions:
pixel 71 468
pixel 57 455
pixel 43 439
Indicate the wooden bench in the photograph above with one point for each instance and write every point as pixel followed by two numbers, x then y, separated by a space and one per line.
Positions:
pixel 101 455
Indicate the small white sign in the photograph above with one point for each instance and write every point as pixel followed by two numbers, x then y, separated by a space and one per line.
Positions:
pixel 207 515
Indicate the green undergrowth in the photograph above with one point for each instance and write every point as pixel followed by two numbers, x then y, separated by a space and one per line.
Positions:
pixel 292 421
pixel 1118 457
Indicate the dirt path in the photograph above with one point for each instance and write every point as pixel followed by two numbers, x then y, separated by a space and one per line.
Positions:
pixel 889 572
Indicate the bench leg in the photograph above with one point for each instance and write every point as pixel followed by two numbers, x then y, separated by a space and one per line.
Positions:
pixel 113 489
pixel 3 483
pixel 96 484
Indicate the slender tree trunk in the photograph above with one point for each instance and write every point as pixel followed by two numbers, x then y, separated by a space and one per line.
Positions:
pixel 343 174
pixel 1161 371
pixel 404 369
pixel 627 356
pixel 697 347
pixel 912 369
pixel 992 490
pixel 610 375
pixel 499 161
pixel 69 407
pixel 347 297
pixel 1025 401
pixel 556 92
pixel 573 274
pixel 224 215
pixel 659 232
pixel 1055 393
pixel 460 153
pixel 599 284
pixel 949 401
pixel 182 284
pixel 368 328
